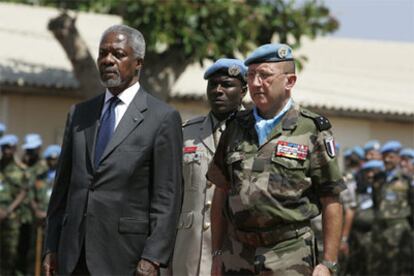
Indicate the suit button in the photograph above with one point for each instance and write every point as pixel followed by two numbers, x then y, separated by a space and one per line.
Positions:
pixel 206 225
pixel 208 204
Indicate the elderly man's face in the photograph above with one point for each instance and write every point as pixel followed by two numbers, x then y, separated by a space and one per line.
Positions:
pixel 267 86
pixel 117 64
pixel 224 94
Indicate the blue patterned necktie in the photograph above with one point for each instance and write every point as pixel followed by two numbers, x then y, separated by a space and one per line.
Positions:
pixel 106 129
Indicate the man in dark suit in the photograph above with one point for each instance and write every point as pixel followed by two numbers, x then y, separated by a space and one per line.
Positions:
pixel 117 195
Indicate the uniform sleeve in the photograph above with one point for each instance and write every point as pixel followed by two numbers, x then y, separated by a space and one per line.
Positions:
pixel 325 172
pixel 218 171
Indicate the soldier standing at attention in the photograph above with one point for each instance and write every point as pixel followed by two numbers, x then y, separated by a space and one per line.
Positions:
pixel 226 88
pixel 392 209
pixel 275 168
pixel 13 190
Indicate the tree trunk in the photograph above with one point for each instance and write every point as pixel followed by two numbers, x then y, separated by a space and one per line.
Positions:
pixel 159 73
pixel 84 67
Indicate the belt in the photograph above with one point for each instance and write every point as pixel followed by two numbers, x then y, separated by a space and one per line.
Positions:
pixel 279 234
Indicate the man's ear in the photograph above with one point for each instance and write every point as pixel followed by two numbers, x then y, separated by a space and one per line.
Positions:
pixel 291 80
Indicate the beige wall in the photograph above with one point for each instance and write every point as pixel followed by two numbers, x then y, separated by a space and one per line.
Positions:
pixel 45 115
pixel 350 132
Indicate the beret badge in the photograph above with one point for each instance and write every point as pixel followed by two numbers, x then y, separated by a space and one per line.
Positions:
pixel 234 70
pixel 282 52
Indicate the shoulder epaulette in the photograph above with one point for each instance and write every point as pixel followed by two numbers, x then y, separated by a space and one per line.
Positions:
pixel 321 122
pixel 193 121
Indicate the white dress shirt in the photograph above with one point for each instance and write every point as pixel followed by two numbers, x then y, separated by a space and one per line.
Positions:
pixel 126 98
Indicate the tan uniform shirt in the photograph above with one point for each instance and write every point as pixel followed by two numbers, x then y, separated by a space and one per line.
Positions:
pixel 192 253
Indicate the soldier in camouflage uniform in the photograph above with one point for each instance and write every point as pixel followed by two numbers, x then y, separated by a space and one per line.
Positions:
pixel 225 90
pixel 393 209
pixel 12 192
pixel 31 214
pixel 274 169
pixel 360 239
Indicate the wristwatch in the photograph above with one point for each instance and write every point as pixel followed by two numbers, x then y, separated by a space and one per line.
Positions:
pixel 332 266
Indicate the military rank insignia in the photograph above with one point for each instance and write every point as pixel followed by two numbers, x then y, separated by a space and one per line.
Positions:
pixel 330 146
pixel 291 150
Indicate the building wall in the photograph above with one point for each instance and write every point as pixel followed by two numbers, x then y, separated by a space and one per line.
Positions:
pixel 350 132
pixel 45 115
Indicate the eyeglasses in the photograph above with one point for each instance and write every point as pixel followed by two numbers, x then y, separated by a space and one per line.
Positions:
pixel 262 76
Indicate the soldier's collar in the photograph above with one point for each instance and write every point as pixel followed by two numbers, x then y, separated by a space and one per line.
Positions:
pixel 290 119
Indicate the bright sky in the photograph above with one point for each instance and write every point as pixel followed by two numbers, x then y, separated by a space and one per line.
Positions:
pixel 374 19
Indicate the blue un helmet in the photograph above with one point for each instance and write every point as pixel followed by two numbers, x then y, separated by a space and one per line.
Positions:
pixel 232 67
pixel 391 146
pixel 373 164
pixel 372 145
pixel 274 52
pixel 52 151
pixel 407 152
pixel 32 141
pixel 9 140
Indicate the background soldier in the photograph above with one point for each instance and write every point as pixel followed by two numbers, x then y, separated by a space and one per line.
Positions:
pixel 225 90
pixel 360 239
pixel 36 169
pixel 273 168
pixel 13 189
pixel 391 232
pixel 372 150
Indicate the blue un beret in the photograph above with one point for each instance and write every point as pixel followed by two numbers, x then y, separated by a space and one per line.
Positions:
pixel 391 146
pixel 359 151
pixel 372 145
pixel 32 141
pixel 407 152
pixel 373 164
pixel 234 67
pixel 270 53
pixel 9 139
pixel 2 127
pixel 52 151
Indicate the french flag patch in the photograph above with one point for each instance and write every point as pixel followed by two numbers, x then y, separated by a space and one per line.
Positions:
pixel 330 146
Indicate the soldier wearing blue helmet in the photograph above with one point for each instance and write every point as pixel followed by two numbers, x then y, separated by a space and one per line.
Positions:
pixel 13 189
pixel 275 168
pixel 393 207
pixel 31 213
pixel 372 150
pixel 226 87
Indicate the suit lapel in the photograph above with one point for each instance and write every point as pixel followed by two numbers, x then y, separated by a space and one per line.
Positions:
pixel 131 119
pixel 206 134
pixel 91 130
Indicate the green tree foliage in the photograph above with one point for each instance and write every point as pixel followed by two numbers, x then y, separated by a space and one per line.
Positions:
pixel 180 32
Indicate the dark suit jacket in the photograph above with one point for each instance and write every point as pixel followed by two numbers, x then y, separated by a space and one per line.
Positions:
pixel 127 208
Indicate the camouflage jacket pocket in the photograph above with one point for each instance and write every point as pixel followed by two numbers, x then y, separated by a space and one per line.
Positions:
pixel 287 178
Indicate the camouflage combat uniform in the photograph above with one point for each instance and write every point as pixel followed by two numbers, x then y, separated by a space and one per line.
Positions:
pixel 391 231
pixel 12 182
pixel 37 188
pixel 273 191
pixel 360 238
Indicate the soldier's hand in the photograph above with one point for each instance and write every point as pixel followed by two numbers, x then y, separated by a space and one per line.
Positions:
pixel 216 266
pixel 50 264
pixel 146 268
pixel 321 270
